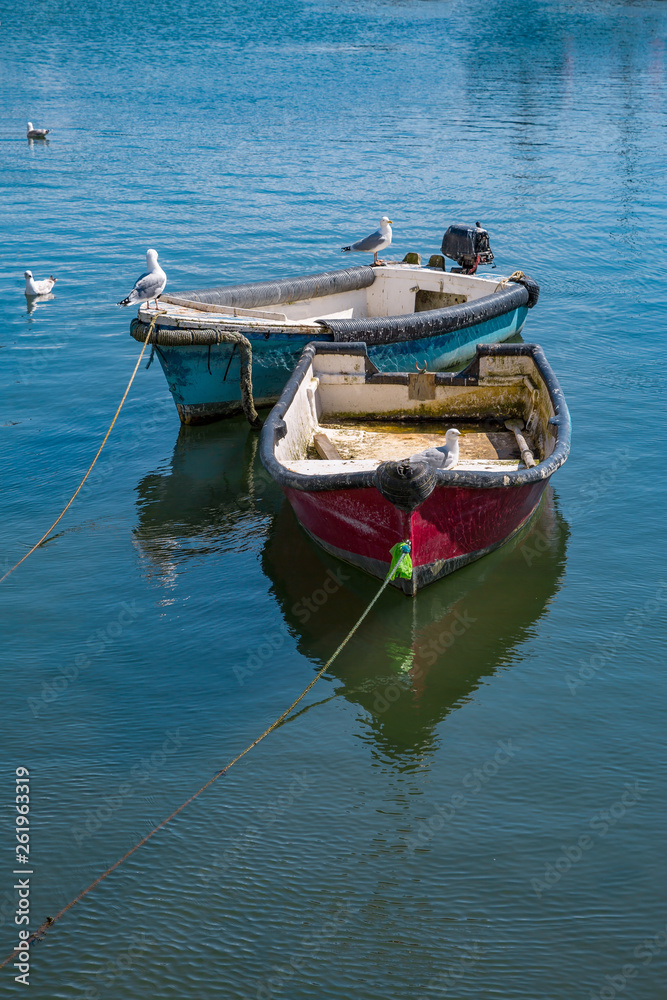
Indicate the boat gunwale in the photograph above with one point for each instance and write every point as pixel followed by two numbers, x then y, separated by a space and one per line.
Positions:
pixel 430 322
pixel 397 328
pixel 275 428
pixel 194 327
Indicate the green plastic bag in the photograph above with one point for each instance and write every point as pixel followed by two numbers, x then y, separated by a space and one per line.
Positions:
pixel 400 549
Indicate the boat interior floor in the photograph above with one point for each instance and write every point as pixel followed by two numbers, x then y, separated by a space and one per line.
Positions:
pixel 490 447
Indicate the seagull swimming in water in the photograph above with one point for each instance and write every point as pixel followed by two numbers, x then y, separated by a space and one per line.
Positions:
pixel 37 133
pixel 33 287
pixel 444 457
pixel 377 241
pixel 149 285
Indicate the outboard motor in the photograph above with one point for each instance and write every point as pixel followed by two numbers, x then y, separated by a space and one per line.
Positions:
pixel 468 246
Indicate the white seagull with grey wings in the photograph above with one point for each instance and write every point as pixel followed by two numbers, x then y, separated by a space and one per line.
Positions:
pixel 43 287
pixel 377 241
pixel 149 285
pixel 444 457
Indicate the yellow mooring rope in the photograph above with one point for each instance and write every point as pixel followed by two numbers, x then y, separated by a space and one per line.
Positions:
pixel 515 276
pixel 90 468
pixel 50 921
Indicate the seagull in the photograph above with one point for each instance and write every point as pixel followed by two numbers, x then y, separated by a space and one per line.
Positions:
pixel 379 240
pixel 444 457
pixel 33 287
pixel 37 133
pixel 149 285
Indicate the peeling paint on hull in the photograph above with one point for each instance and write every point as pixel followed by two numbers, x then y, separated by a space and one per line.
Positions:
pixel 451 528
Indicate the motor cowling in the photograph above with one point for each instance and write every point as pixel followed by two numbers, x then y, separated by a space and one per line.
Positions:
pixel 468 246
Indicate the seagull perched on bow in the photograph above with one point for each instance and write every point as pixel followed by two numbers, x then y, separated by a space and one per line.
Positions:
pixel 149 285
pixel 33 287
pixel 377 241
pixel 37 133
pixel 444 457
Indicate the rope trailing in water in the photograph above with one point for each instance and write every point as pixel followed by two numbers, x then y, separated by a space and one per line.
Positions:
pixel 206 337
pixel 90 467
pixel 400 555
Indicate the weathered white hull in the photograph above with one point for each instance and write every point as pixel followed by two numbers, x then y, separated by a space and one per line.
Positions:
pixel 405 313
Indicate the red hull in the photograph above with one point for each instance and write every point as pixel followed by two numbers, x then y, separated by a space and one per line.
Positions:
pixel 452 527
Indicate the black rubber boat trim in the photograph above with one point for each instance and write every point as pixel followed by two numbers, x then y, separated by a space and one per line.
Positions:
pixel 274 428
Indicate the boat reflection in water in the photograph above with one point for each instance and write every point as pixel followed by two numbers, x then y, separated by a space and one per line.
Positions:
pixel 411 663
pixel 207 501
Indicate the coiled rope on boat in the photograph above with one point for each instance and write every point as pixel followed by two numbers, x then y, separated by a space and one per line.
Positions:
pixel 519 278
pixel 206 337
pixel 401 553
pixel 99 451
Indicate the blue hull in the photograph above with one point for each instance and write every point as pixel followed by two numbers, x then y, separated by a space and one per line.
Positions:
pixel 204 381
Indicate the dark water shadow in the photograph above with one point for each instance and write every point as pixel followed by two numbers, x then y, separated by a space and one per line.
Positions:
pixel 213 495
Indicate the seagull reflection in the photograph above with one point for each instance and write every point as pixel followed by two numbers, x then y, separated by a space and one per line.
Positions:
pixel 33 301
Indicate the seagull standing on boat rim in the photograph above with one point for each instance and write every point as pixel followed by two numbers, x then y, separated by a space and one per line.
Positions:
pixel 377 241
pixel 444 457
pixel 37 133
pixel 149 285
pixel 33 287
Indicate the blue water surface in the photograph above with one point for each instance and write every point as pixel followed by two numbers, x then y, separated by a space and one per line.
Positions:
pixel 471 802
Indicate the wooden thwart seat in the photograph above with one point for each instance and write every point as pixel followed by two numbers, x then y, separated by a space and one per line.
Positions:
pixel 324 447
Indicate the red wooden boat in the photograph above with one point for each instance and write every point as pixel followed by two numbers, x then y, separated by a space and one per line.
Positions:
pixel 345 442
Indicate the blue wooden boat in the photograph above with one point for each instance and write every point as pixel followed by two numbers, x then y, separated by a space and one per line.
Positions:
pixel 408 315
